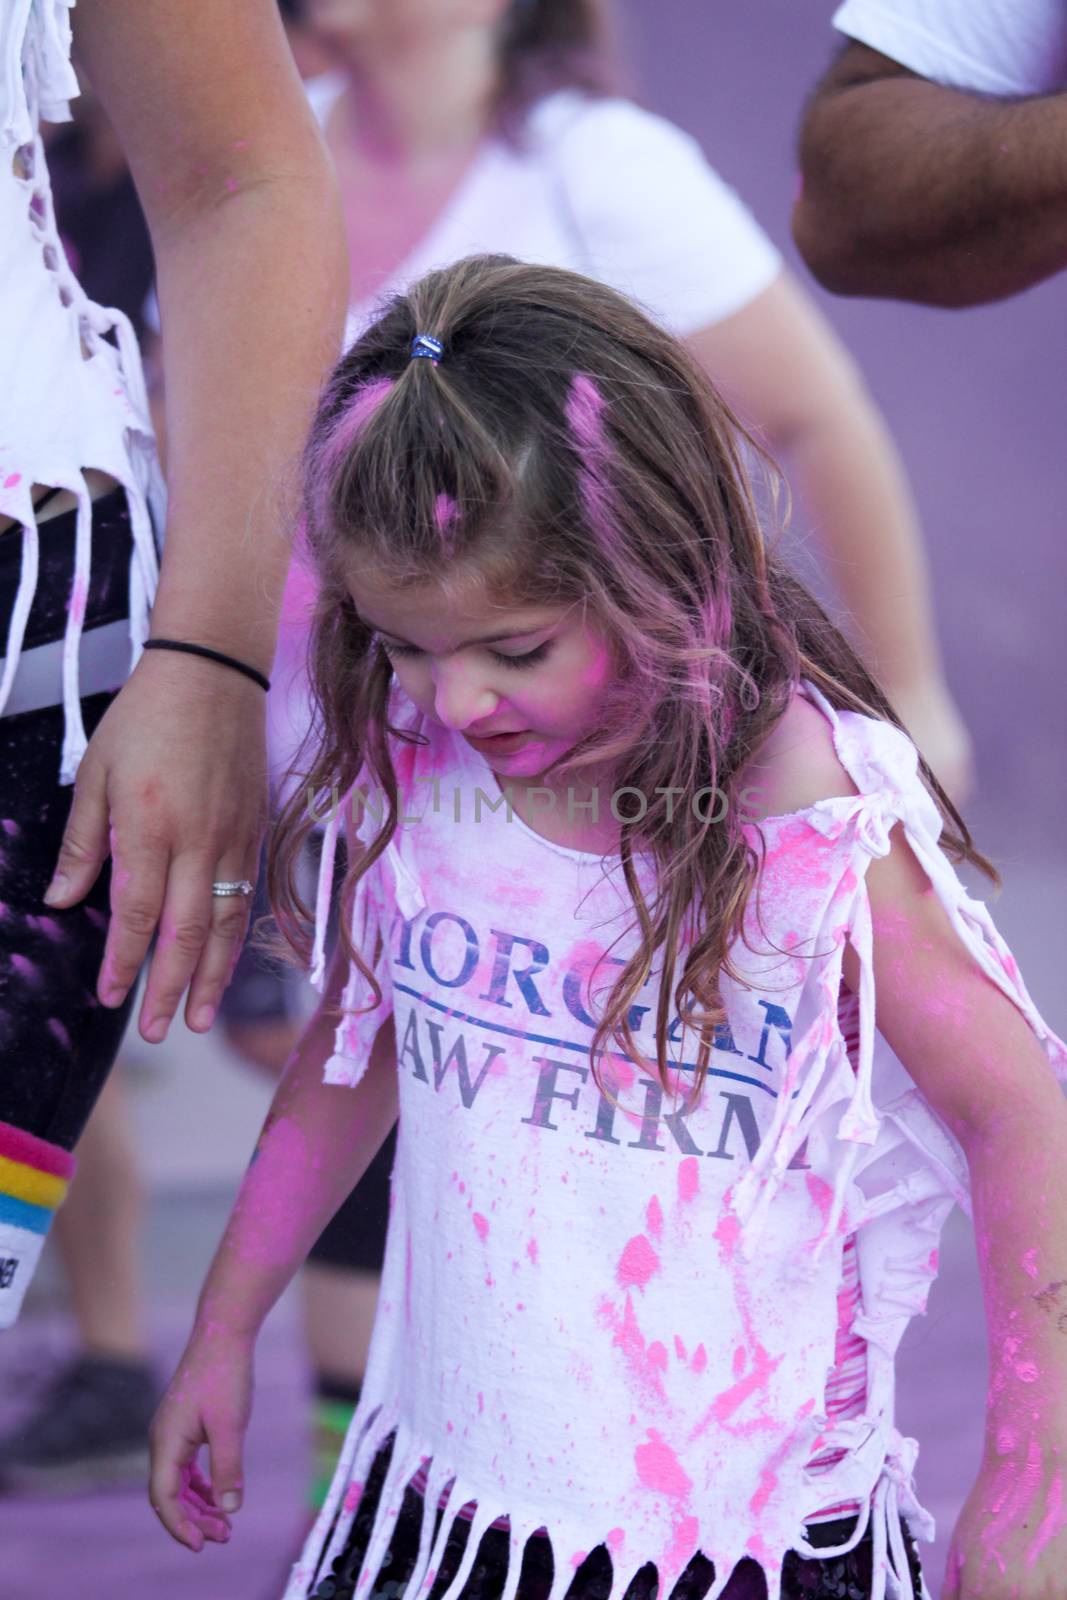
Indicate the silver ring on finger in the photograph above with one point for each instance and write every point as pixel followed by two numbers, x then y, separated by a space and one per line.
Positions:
pixel 240 886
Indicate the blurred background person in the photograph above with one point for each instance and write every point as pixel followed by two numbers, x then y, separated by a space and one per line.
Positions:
pixel 979 82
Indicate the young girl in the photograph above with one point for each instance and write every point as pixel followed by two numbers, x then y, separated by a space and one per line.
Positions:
pixel 634 839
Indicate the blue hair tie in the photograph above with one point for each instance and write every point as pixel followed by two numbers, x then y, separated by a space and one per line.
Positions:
pixel 426 347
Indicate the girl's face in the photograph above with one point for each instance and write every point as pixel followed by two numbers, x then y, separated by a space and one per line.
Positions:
pixel 537 673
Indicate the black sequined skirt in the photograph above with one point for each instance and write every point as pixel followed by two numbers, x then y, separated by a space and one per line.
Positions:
pixel 846 1577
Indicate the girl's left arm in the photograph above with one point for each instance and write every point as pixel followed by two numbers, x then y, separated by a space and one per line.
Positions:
pixel 780 363
pixel 981 1069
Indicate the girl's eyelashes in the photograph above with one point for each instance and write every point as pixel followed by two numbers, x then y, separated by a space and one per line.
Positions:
pixel 530 659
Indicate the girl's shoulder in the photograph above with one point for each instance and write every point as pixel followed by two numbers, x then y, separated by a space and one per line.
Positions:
pixel 798 764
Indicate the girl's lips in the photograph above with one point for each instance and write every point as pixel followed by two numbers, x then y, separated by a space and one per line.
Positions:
pixel 500 742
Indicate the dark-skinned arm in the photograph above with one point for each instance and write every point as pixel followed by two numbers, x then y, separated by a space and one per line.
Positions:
pixel 914 191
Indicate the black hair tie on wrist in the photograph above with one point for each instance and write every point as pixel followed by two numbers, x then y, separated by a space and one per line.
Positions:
pixel 212 655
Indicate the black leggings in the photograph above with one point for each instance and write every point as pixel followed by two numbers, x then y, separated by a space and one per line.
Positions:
pixel 57 1042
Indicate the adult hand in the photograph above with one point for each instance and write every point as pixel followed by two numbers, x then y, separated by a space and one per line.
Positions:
pixel 173 786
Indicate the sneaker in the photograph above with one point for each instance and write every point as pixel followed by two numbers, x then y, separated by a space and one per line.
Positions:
pixel 88 1431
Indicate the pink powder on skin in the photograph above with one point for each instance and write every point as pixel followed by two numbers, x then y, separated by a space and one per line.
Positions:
pixel 637 1263
pixel 481 1226
pixel 659 1468
pixel 283 1168
pixel 1014 1493
pixel 1052 1521
pixel 1029 1262
pixel 688 1179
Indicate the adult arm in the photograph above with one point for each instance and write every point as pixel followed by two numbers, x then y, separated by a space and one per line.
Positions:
pixel 780 362
pixel 915 191
pixel 240 201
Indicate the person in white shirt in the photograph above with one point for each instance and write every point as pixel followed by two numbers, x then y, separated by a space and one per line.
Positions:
pixel 934 151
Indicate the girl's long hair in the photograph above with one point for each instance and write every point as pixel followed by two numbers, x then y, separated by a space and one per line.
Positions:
pixel 568 450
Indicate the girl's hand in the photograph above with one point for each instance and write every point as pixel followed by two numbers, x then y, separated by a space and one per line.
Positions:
pixel 208 1402
pixel 1010 1539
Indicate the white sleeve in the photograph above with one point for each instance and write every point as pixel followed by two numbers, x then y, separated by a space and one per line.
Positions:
pixel 651 217
pixel 1000 47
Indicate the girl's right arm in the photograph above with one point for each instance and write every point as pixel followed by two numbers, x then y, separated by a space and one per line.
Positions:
pixel 316 1144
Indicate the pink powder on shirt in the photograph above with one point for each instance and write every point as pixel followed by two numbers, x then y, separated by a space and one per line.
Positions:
pixel 481 1226
pixel 688 1178
pixel 659 1468
pixel 679 1349
pixel 700 1359
pixel 637 1263
pixel 654 1217
pixel 12 479
pixel 531 1250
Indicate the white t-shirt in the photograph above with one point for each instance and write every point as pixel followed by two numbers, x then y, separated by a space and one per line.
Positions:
pixel 602 187
pixel 1000 47
pixel 613 1316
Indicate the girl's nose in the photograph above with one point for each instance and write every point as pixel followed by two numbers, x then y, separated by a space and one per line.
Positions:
pixel 460 697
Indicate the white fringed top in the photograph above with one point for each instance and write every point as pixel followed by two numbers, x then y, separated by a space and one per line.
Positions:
pixel 73 394
pixel 615 1322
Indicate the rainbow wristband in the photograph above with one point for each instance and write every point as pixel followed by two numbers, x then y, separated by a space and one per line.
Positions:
pixel 34 1179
